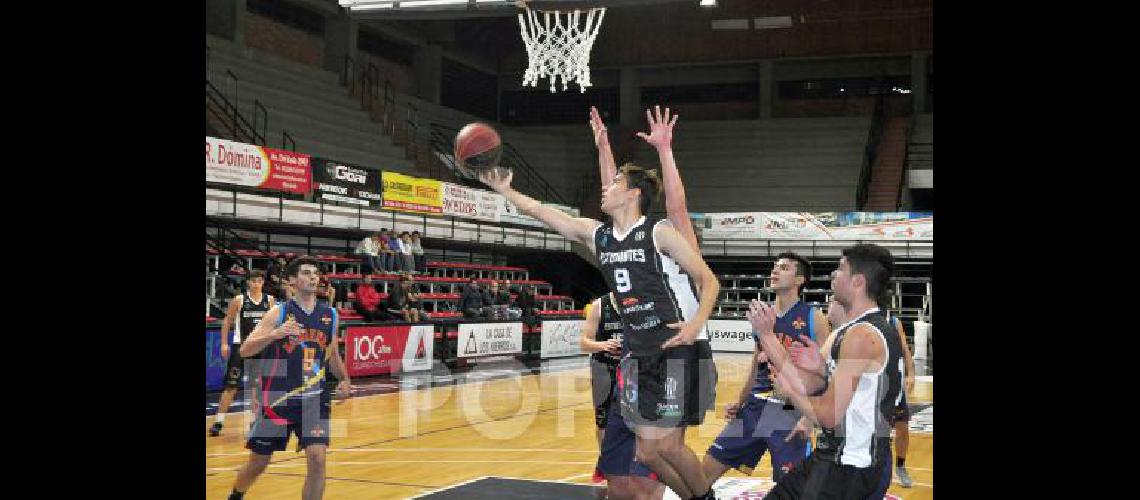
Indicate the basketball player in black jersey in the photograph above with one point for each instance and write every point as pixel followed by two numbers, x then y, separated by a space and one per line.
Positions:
pixel 653 272
pixel 247 308
pixel 860 386
pixel 601 338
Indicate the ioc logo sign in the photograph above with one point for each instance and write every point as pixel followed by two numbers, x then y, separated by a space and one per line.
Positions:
pixel 371 347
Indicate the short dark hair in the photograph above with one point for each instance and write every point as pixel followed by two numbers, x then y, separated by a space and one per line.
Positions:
pixel 876 264
pixel 294 266
pixel 415 233
pixel 256 273
pixel 643 179
pixel 803 267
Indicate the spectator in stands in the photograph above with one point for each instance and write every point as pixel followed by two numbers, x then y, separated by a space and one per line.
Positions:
pixel 399 302
pixel 525 301
pixel 415 298
pixel 369 251
pixel 407 258
pixel 394 244
pixel 473 300
pixel 274 277
pixel 367 302
pixel 418 253
pixel 325 291
pixel 499 300
pixel 386 254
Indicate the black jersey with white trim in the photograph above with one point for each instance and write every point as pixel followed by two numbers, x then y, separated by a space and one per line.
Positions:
pixel 650 287
pixel 866 426
pixel 250 314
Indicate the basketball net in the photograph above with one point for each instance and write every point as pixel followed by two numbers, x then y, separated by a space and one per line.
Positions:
pixel 558 45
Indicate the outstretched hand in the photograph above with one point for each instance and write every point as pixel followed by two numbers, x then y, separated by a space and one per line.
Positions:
pixel 660 128
pixel 601 138
pixel 496 179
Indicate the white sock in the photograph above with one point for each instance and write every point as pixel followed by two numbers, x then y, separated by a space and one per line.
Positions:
pixel 219 418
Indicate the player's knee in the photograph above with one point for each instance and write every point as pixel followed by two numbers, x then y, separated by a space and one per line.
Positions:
pixel 648 456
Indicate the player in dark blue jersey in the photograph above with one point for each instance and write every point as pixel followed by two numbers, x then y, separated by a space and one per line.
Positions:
pixel 760 421
pixel 296 343
pixel 850 391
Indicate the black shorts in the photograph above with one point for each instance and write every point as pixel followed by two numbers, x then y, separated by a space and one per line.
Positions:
pixel 235 366
pixel 826 480
pixel 602 378
pixel 673 388
pixel 902 412
pixel 311 427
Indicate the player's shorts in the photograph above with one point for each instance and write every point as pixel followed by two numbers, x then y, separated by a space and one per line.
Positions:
pixel 673 388
pixel 619 446
pixel 760 426
pixel 235 366
pixel 603 378
pixel 902 412
pixel 820 478
pixel 311 427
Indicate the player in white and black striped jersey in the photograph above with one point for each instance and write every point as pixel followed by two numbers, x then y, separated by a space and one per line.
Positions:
pixel 851 391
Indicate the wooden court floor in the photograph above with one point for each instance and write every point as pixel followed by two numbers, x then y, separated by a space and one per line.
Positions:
pixel 540 426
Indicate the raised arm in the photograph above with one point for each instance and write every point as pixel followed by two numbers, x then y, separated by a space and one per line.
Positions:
pixel 860 353
pixel 661 138
pixel 607 168
pixel 672 244
pixel 579 229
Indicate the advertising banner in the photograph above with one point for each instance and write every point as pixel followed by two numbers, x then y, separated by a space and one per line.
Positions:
pixel 241 164
pixel 344 183
pixel 820 225
pixel 418 347
pixel 412 194
pixel 730 335
pixel 215 363
pixel 463 201
pixel 483 339
pixel 372 350
pixel 560 338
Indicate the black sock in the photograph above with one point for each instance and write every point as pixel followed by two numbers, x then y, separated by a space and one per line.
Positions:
pixel 707 496
pixel 900 461
pixel 236 495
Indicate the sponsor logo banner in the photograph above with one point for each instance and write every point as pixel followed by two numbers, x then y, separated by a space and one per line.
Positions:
pixel 372 350
pixel 241 164
pixel 463 201
pixel 341 182
pixel 215 363
pixel 483 339
pixel 418 348
pixel 730 335
pixel 412 194
pixel 560 338
pixel 820 225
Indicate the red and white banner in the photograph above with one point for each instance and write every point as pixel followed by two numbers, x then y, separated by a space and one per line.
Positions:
pixel 241 164
pixel 372 350
pixel 483 339
pixel 820 225
pixel 463 201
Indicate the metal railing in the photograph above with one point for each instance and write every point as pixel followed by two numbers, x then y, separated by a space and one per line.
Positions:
pixel 870 153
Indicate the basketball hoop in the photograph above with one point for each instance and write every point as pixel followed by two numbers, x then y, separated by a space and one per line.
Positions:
pixel 559 46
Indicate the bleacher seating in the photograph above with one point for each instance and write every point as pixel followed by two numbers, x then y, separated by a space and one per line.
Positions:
pixel 307 102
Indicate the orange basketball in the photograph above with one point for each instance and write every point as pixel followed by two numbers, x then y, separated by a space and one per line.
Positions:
pixel 477 148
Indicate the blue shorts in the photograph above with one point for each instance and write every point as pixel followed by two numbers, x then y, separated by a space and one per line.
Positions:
pixel 760 426
pixel 619 445
pixel 311 427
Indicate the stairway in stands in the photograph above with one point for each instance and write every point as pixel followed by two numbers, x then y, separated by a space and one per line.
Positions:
pixel 887 172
